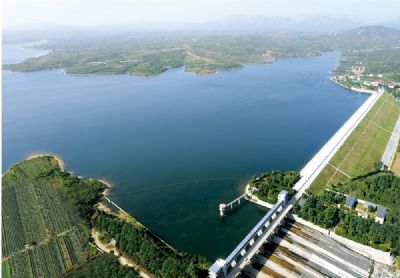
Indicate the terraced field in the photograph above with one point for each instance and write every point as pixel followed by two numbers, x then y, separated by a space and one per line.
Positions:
pixel 364 147
pixel 43 235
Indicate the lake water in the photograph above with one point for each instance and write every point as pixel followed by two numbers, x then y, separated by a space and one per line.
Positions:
pixel 176 145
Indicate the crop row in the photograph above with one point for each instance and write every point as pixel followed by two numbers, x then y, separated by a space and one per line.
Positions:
pixel 50 259
pixel 30 212
pixel 13 237
pixel 55 213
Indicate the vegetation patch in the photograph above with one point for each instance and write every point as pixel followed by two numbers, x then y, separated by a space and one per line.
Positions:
pixel 103 265
pixel 5 269
pixel 381 188
pixel 328 210
pixel 270 184
pixel 148 251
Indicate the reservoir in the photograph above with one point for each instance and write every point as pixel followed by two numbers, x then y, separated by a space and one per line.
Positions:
pixel 176 145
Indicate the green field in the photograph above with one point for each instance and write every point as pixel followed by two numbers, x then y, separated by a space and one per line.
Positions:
pixel 5 270
pixel 364 147
pixel 43 235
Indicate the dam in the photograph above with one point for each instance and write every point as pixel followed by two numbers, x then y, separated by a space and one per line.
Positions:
pixel 251 245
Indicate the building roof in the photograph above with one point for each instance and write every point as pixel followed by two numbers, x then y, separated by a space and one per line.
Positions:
pixel 351 201
pixel 381 212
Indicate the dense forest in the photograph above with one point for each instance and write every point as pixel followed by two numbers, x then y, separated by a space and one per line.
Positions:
pixel 270 184
pixel 323 210
pixel 149 252
pixel 82 194
pixel 104 265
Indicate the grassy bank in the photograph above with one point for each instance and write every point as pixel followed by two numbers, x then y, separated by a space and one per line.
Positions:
pixel 364 147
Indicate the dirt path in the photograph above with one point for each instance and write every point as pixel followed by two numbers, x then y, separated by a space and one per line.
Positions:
pixel 123 260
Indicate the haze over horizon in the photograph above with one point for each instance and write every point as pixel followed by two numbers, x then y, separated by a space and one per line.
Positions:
pixel 172 13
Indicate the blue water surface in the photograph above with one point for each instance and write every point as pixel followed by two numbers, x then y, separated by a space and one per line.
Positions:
pixel 176 145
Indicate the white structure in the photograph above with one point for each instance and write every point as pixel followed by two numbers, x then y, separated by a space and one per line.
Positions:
pixel 223 207
pixel 251 244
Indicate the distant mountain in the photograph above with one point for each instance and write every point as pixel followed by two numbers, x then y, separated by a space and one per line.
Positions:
pixel 375 36
pixel 267 24
pixel 394 23
pixel 239 24
pixel 373 32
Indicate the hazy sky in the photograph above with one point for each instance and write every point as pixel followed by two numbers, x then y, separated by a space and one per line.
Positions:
pixel 100 12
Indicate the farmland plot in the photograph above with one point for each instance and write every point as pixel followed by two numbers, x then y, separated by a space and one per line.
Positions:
pixel 43 235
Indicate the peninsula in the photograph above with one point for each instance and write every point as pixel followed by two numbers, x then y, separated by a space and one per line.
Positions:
pixel 50 216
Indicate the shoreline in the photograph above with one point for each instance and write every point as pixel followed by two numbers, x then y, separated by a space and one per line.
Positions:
pixel 122 213
pixel 57 158
pixel 60 162
pixel 353 89
pixel 122 258
pixel 256 200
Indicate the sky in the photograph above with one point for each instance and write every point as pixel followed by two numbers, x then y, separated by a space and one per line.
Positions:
pixel 18 13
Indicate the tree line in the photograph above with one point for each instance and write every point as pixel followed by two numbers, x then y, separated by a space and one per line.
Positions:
pixel 149 252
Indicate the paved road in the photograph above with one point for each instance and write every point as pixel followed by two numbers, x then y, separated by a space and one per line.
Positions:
pixel 392 144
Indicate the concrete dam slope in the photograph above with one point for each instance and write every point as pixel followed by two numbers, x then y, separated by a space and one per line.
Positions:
pixel 300 251
pixel 239 258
